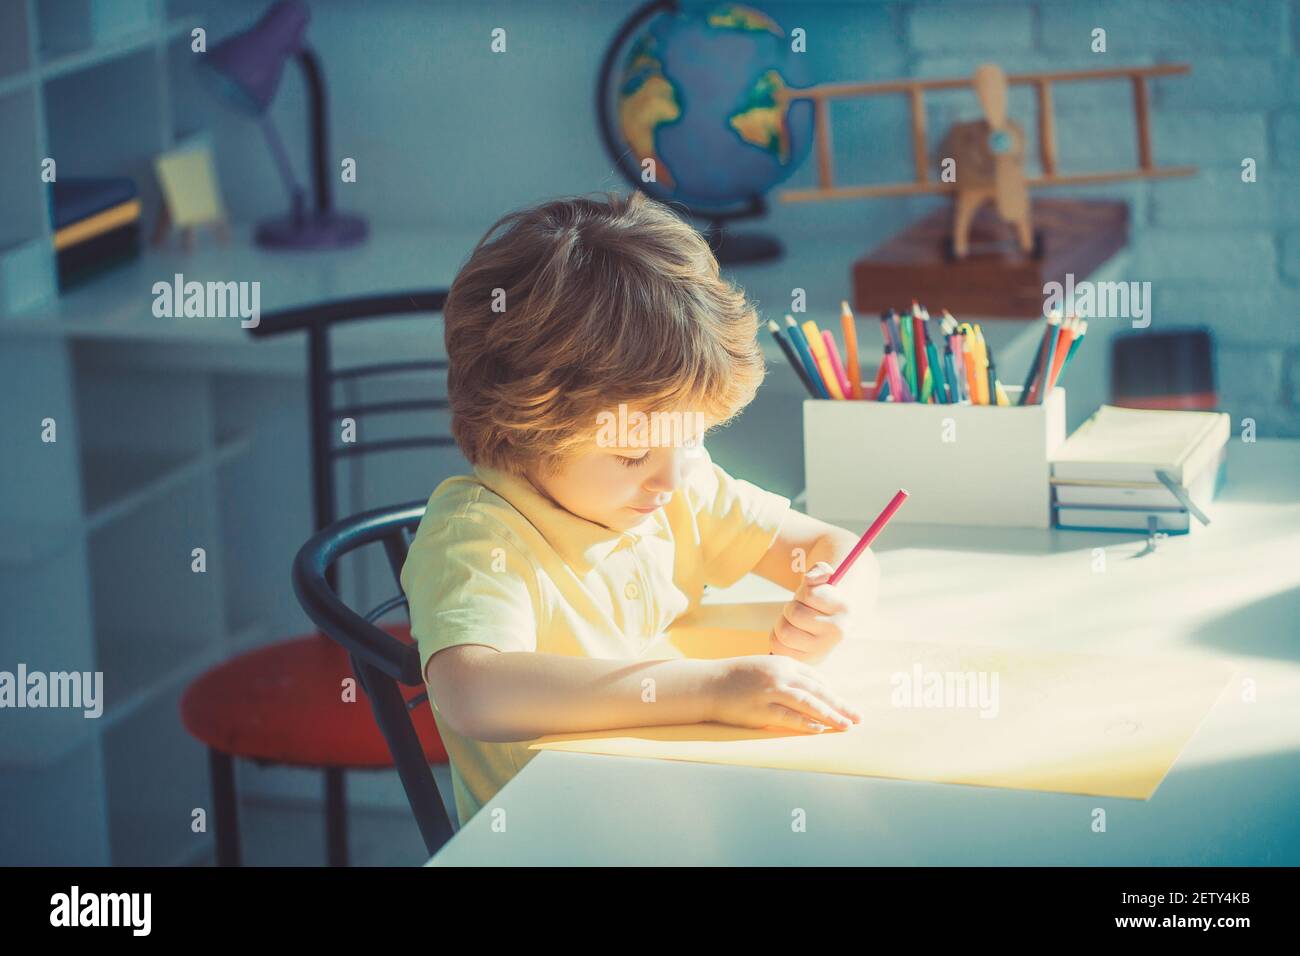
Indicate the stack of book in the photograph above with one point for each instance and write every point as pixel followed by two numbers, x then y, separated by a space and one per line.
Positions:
pixel 96 226
pixel 1128 469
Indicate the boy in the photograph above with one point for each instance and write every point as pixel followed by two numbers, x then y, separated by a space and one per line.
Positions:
pixel 540 586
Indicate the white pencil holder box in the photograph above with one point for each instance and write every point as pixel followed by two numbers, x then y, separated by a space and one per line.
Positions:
pixel 961 464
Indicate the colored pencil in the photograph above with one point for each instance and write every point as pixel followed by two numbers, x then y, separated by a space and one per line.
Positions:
pixel 869 536
pixel 952 330
pixel 900 355
pixel 890 319
pixel 927 388
pixel 970 361
pixel 837 367
pixel 788 351
pixel 982 367
pixel 932 363
pixel 1038 362
pixel 817 346
pixel 950 373
pixel 893 377
pixel 1031 380
pixel 906 357
pixel 805 355
pixel 1044 373
pixel 1079 333
pixel 918 344
pixel 1062 348
pixel 851 367
pixel 997 396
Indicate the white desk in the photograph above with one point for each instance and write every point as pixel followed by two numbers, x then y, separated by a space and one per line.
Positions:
pixel 1231 590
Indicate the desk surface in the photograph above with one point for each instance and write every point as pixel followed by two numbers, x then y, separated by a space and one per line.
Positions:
pixel 1230 591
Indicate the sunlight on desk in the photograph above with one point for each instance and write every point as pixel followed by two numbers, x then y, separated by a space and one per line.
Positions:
pixel 987 716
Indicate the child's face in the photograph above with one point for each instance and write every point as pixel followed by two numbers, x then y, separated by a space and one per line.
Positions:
pixel 619 485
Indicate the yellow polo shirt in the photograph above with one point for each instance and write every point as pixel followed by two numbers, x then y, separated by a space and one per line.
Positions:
pixel 495 562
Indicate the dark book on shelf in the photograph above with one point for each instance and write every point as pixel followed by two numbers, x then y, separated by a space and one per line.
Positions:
pixel 87 259
pixel 79 197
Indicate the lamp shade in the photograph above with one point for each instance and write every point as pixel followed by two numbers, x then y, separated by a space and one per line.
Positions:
pixel 250 63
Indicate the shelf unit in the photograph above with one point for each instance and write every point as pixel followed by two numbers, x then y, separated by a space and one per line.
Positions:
pixel 97 528
pixel 65 67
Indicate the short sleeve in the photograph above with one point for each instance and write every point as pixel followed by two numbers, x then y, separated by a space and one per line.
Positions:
pixel 466 584
pixel 737 521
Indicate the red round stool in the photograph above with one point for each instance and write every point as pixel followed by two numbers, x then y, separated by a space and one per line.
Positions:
pixel 283 704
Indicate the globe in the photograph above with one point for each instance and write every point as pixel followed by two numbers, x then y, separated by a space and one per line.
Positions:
pixel 689 110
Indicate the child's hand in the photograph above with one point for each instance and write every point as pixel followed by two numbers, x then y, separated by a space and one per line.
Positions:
pixel 772 691
pixel 815 621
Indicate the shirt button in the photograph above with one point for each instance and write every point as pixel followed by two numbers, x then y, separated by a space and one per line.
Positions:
pixel 631 591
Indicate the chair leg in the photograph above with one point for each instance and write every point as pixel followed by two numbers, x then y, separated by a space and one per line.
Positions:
pixel 336 818
pixel 225 807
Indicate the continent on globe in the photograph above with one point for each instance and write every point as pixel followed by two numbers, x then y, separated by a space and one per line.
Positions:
pixel 646 100
pixel 697 100
pixel 763 120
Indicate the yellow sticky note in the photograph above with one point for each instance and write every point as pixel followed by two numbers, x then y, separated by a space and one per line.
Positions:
pixel 189 185
pixel 987 716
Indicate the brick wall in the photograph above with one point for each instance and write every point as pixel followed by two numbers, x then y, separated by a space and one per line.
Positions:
pixel 1218 251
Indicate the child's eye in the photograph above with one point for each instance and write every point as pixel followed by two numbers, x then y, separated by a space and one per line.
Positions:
pixel 633 462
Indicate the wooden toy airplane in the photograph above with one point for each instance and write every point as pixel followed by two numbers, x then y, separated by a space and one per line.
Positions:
pixel 989 153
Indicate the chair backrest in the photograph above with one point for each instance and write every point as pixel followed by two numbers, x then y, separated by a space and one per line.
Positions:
pixel 317 321
pixel 380 661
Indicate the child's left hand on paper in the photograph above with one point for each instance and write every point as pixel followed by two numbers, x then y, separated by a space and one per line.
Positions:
pixel 816 620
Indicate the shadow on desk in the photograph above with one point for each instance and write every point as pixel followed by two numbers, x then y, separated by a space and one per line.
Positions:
pixel 1006 540
pixel 1265 628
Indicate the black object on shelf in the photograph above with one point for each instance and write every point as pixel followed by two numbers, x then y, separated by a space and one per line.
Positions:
pixel 1170 369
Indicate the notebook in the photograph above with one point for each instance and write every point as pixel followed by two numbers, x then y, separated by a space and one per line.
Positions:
pixel 1201 488
pixel 1132 444
pixel 1110 518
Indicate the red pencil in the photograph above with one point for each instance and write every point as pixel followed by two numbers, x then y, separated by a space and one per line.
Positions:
pixel 868 536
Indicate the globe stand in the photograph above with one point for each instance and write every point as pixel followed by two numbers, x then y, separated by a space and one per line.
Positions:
pixel 733 249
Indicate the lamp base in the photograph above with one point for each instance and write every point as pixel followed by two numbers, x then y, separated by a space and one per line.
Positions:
pixel 333 230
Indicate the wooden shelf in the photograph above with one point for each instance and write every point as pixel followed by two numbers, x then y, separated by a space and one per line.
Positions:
pixel 995 280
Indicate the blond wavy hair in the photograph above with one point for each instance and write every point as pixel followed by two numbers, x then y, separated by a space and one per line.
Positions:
pixel 571 307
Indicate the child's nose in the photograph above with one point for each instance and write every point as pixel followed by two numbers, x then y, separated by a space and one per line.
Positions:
pixel 668 477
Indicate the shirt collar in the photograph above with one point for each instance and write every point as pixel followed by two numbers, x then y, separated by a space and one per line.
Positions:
pixel 580 543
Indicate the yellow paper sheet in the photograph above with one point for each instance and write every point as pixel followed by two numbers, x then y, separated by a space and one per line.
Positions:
pixel 1072 723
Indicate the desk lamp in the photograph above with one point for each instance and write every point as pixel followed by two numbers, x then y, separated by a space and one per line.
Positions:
pixel 247 67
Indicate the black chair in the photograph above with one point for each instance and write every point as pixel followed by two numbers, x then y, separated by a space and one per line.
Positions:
pixel 380 661
pixel 278 704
